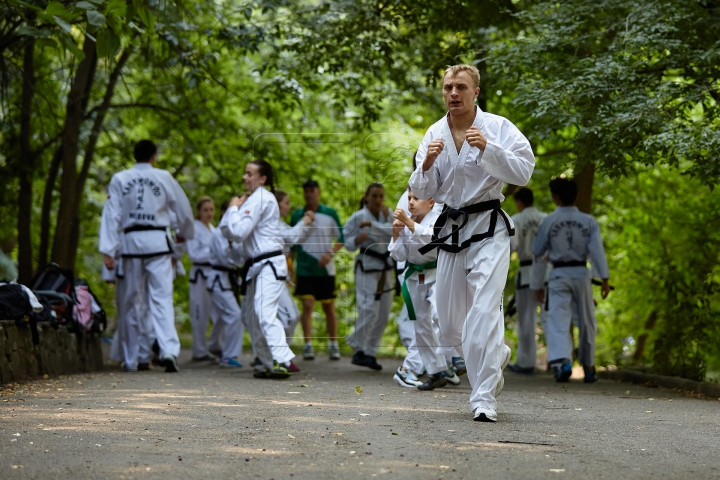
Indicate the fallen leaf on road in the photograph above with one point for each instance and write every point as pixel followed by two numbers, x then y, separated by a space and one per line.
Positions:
pixel 16 435
pixel 451 430
pixel 338 434
pixel 358 389
pixel 444 466
pixel 17 466
pixel 364 414
pixel 556 470
pixel 352 453
pixel 578 409
pixel 303 386
pixel 648 411
pixel 290 436
pixel 293 392
pixel 395 433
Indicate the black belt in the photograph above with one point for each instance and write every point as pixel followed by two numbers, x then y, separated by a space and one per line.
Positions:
pixel 199 272
pixel 202 265
pixel 246 268
pixel 465 212
pixel 525 263
pixel 143 228
pixel 380 256
pixel 233 276
pixel 574 263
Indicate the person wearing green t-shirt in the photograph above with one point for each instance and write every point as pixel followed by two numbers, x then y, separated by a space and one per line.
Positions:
pixel 315 268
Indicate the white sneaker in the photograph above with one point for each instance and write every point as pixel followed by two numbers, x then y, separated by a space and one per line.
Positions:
pixel 501 383
pixel 334 352
pixel 451 377
pixel 485 416
pixel 405 378
pixel 308 352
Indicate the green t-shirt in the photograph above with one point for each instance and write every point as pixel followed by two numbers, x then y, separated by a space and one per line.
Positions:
pixel 325 228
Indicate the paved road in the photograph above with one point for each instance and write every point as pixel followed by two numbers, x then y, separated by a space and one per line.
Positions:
pixel 334 420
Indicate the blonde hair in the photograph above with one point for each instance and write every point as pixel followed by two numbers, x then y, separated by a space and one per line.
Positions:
pixel 472 71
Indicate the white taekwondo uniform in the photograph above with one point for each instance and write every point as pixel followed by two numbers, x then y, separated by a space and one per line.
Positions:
pixel 419 283
pixel 201 304
pixel 142 203
pixel 225 257
pixel 526 226
pixel 571 238
pixel 473 267
pixel 374 282
pixel 254 224
pixel 288 312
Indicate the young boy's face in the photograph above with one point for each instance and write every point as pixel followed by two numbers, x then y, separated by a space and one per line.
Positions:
pixel 419 207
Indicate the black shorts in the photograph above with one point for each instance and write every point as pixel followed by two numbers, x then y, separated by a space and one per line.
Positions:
pixel 320 288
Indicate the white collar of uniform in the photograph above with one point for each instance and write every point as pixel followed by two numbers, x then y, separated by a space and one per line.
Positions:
pixel 572 208
pixel 143 165
pixel 447 137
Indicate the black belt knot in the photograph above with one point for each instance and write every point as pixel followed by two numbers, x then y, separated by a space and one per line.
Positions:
pixel 455 246
pixel 246 268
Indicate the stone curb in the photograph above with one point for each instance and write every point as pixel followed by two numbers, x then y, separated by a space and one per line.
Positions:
pixel 652 380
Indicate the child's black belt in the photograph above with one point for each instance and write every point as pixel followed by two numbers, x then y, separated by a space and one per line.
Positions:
pixel 492 206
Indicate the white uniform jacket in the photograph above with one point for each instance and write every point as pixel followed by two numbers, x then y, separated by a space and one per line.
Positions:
pixel 461 179
pixel 380 234
pixel 569 236
pixel 143 202
pixel 198 249
pixel 526 226
pixel 405 248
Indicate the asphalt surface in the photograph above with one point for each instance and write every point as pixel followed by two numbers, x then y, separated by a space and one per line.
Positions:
pixel 334 420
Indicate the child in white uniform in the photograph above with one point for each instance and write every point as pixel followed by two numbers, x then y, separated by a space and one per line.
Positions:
pixel 253 222
pixel 370 230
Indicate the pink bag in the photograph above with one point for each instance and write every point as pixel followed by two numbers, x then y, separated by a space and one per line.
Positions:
pixel 82 311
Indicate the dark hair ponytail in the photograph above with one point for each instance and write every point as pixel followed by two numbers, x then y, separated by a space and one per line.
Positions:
pixel 367 192
pixel 265 170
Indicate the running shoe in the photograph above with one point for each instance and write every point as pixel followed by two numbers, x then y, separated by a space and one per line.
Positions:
pixel 458 366
pixel 229 362
pixel 215 353
pixel 278 372
pixel 485 416
pixel 434 381
pixel 515 368
pixel 358 358
pixel 451 377
pixel 292 367
pixel 308 352
pixel 170 363
pixel 256 361
pixel 562 371
pixel 590 374
pixel 334 352
pixel 405 378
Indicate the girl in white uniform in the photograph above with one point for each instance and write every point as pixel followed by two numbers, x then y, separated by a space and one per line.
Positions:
pixel 288 312
pixel 254 222
pixel 198 250
pixel 370 230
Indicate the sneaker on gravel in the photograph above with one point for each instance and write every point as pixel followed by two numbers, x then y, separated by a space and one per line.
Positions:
pixel 590 374
pixel 229 362
pixel 292 367
pixel 334 352
pixel 405 378
pixel 515 368
pixel 485 416
pixel 206 358
pixel 451 377
pixel 308 352
pixel 434 381
pixel 358 358
pixel 458 366
pixel 170 363
pixel 278 372
pixel 215 353
pixel 562 371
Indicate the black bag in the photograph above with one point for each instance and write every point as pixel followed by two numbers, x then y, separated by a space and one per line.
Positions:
pixel 57 286
pixel 15 305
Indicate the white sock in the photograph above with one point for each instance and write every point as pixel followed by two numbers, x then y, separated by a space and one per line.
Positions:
pixel 334 343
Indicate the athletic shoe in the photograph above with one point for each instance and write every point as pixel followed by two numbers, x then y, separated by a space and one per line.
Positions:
pixel 143 366
pixel 229 362
pixel 482 416
pixel 334 352
pixel 278 372
pixel 434 381
pixel 206 358
pixel 256 361
pixel 292 367
pixel 358 358
pixel 125 368
pixel 590 374
pixel 451 377
pixel 170 364
pixel 458 366
pixel 308 352
pixel 562 371
pixel 514 368
pixel 215 353
pixel 371 362
pixel 405 378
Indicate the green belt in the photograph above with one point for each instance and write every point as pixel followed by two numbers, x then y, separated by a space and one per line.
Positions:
pixel 412 268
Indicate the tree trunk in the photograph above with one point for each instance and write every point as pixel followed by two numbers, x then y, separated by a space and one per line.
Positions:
pixel 63 252
pixel 584 179
pixel 92 141
pixel 27 160
pixel 642 339
pixel 47 207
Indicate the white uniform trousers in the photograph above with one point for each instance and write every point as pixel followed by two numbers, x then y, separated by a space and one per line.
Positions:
pixel 527 316
pixel 562 292
pixel 469 304
pixel 373 314
pixel 201 308
pixel 147 306
pixel 228 315
pixel 288 313
pixel 265 328
pixel 406 330
pixel 426 338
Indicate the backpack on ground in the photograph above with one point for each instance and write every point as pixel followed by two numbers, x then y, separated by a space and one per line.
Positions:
pixel 57 285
